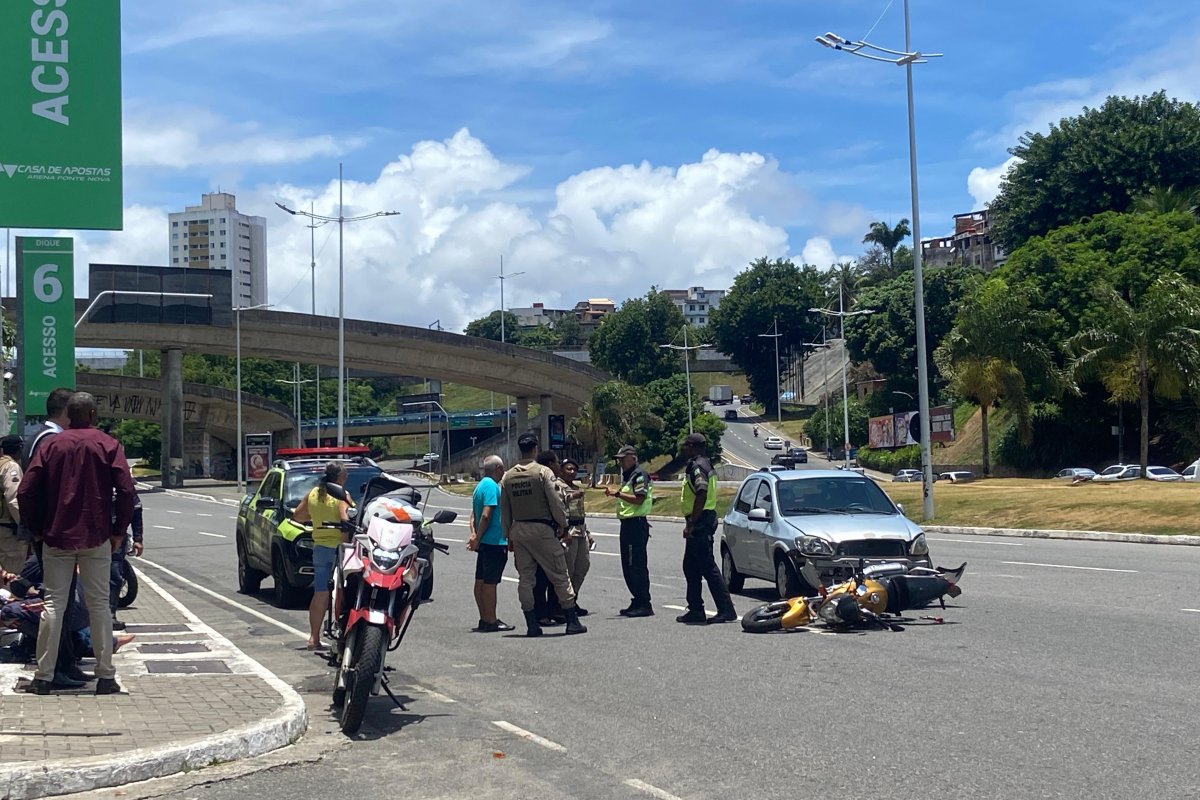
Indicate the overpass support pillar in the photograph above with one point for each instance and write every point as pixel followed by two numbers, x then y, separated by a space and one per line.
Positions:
pixel 547 408
pixel 171 462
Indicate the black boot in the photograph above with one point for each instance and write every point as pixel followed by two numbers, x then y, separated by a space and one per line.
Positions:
pixel 531 620
pixel 573 623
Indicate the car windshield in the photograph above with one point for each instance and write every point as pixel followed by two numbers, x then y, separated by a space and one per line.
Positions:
pixel 1113 471
pixel 1162 471
pixel 301 483
pixel 832 496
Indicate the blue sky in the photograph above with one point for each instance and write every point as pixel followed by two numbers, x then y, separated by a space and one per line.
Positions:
pixel 599 146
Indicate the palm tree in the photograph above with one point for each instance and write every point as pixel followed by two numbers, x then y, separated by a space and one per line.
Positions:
pixel 888 238
pixel 845 276
pixel 1168 200
pixel 1153 346
pixel 993 351
pixel 586 428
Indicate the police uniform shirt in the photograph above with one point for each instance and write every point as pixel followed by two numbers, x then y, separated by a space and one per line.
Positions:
pixel 528 494
pixel 698 472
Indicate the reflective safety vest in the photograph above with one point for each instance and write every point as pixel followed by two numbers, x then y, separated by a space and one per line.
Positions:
pixel 689 493
pixel 627 510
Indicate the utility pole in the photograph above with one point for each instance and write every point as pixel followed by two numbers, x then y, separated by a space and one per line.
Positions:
pixel 778 400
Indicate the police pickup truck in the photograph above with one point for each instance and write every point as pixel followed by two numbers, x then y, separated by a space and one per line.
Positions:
pixel 269 541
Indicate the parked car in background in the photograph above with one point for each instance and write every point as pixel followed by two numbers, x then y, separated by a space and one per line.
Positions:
pixel 782 519
pixel 1191 470
pixel 1075 474
pixel 957 476
pixel 1119 472
pixel 773 443
pixel 907 476
pixel 1165 474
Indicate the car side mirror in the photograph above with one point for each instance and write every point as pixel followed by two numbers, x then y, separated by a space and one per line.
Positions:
pixel 445 516
pixel 901 507
pixel 759 515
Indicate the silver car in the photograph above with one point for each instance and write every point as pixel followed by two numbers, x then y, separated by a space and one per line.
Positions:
pixel 783 519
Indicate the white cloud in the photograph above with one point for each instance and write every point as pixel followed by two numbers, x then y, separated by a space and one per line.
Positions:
pixel 183 138
pixel 612 231
pixel 984 182
pixel 819 252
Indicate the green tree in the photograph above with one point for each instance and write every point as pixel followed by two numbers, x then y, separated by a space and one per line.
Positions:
pixel 140 439
pixel 568 331
pixel 1143 344
pixel 587 429
pixel 623 413
pixel 815 427
pixel 1168 200
pixel 844 279
pixel 542 337
pixel 669 406
pixel 888 238
pixel 995 351
pixel 627 343
pixel 888 338
pixel 1097 161
pixel 766 293
pixel 489 327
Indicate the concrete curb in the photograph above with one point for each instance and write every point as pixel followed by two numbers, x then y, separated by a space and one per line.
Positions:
pixel 24 781
pixel 1089 536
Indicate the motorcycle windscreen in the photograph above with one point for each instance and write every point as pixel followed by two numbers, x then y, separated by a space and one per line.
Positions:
pixel 391 536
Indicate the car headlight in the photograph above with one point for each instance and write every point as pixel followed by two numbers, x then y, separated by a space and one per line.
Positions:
pixel 919 547
pixel 813 546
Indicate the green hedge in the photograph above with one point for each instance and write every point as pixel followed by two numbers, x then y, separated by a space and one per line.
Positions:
pixel 891 460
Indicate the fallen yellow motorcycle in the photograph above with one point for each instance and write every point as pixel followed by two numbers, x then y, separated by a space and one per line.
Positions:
pixel 868 599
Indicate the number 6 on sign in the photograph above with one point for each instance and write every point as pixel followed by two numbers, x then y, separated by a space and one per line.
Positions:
pixel 46 286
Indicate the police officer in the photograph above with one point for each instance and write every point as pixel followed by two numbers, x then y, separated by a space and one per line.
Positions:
pixel 14 549
pixel 634 501
pixel 534 518
pixel 700 514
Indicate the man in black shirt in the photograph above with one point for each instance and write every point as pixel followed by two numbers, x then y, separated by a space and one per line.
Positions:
pixel 700 513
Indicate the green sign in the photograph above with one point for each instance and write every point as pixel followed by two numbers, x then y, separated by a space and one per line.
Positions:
pixel 46 336
pixel 60 102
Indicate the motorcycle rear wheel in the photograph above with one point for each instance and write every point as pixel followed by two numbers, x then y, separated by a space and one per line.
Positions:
pixel 129 585
pixel 763 619
pixel 369 646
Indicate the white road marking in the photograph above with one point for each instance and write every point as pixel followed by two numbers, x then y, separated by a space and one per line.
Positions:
pixel 204 515
pixel 653 791
pixel 448 539
pixel 226 600
pixel 169 511
pixel 164 527
pixel 531 737
pixel 968 541
pixel 510 580
pixel 681 608
pixel 602 553
pixel 1193 610
pixel 1066 566
pixel 441 698
pixel 214 535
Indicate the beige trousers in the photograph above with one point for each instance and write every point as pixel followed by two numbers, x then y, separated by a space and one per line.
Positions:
pixel 534 545
pixel 58 567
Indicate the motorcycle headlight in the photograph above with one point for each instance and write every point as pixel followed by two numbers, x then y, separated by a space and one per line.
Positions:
pixel 919 546
pixel 813 546
pixel 386 559
pixel 304 543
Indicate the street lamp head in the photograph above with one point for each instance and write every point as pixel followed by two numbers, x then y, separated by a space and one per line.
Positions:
pixel 282 207
pixel 825 42
pixel 833 37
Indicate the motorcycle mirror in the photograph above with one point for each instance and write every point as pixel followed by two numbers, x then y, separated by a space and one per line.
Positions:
pixel 336 490
pixel 352 513
pixel 810 574
pixel 445 516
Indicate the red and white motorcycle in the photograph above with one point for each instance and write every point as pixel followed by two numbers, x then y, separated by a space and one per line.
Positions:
pixel 378 584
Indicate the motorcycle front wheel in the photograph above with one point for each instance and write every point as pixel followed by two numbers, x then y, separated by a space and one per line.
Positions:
pixel 367 657
pixel 764 619
pixel 129 585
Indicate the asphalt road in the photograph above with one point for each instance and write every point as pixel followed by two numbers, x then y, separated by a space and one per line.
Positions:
pixel 1066 669
pixel 741 448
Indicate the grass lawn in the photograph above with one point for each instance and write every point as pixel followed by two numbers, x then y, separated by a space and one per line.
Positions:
pixel 1133 507
pixel 666 499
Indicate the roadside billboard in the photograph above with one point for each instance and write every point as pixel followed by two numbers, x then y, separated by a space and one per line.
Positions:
pixel 60 99
pixel 904 428
pixel 46 335
pixel 258 455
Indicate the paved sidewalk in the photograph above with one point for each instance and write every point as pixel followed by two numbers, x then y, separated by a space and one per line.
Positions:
pixel 191 699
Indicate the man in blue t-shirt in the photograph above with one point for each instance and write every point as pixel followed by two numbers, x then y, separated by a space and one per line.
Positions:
pixel 489 543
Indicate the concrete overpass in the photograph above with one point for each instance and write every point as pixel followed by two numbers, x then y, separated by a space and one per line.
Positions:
pixel 209 416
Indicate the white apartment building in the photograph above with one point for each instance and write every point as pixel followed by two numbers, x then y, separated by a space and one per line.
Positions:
pixel 696 302
pixel 213 235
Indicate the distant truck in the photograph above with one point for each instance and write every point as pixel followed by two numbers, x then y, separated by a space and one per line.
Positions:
pixel 720 395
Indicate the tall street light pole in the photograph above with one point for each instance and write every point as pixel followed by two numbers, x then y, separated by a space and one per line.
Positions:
pixel 778 400
pixel 237 319
pixel 312 267
pixel 906 59
pixel 686 368
pixel 824 345
pixel 446 421
pixel 296 383
pixel 841 314
pixel 507 416
pixel 341 219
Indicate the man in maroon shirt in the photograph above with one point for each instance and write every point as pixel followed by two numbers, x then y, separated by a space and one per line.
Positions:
pixel 67 499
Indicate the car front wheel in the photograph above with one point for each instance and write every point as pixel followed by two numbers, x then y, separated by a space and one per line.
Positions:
pixel 787 582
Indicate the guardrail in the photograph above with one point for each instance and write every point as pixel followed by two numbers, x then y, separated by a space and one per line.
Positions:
pixel 408 419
